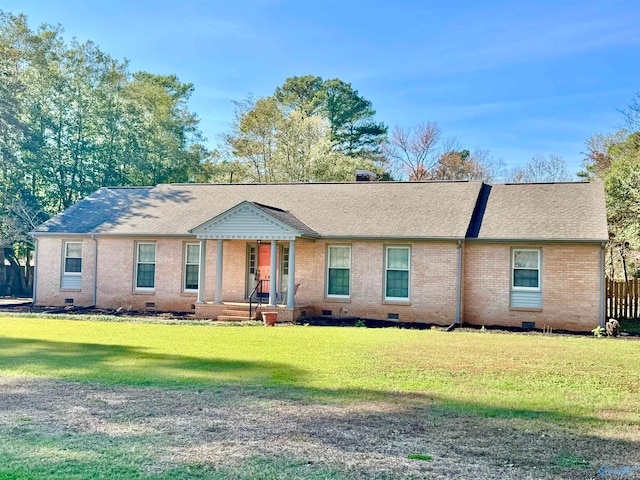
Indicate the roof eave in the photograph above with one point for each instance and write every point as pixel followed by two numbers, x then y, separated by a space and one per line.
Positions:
pixel 539 240
pixel 391 237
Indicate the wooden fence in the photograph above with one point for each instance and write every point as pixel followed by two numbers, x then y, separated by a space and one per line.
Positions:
pixel 11 282
pixel 622 298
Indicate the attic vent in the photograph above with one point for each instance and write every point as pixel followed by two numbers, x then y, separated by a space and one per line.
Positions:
pixel 365 176
pixel 327 313
pixel 150 305
pixel 68 301
pixel 529 325
pixel 393 316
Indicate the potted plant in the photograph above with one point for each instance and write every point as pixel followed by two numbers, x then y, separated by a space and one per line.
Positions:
pixel 269 318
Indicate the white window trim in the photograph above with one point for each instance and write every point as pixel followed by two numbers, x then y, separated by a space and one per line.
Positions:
pixel 539 269
pixel 184 275
pixel 386 269
pixel 155 255
pixel 64 259
pixel 328 261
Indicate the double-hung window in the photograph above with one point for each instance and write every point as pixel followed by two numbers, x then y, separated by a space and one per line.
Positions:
pixel 145 266
pixel 339 271
pixel 397 265
pixel 526 291
pixel 72 266
pixel 72 258
pixel 191 266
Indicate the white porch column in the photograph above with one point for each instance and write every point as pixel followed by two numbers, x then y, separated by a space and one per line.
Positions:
pixel 272 274
pixel 291 286
pixel 218 294
pixel 201 270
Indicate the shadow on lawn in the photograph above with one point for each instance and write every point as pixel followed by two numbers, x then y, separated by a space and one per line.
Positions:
pixel 124 365
pixel 117 364
pixel 461 435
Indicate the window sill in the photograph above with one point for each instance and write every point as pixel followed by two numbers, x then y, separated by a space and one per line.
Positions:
pixel 525 309
pixel 337 300
pixel 70 289
pixel 144 292
pixel 397 302
pixel 189 294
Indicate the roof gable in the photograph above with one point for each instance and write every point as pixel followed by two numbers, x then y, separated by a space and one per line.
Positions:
pixel 253 221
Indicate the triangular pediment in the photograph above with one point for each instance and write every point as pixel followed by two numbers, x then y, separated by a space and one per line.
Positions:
pixel 250 221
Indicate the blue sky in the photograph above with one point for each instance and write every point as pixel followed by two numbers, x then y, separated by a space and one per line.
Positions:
pixel 518 78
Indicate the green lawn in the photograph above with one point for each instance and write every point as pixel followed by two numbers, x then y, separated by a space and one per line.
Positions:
pixel 571 376
pixel 584 385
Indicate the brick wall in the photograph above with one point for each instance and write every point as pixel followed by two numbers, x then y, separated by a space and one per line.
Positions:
pixel 433 278
pixel 570 280
pixel 570 286
pixel 116 264
pixel 49 271
pixel 432 286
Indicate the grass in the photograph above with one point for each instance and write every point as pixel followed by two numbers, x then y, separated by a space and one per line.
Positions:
pixel 419 456
pixel 586 386
pixel 572 376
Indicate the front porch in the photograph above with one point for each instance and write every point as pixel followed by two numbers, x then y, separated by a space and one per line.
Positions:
pixel 240 311
pixel 268 238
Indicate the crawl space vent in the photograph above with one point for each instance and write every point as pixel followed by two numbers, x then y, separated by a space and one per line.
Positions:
pixel 393 316
pixel 326 313
pixel 528 325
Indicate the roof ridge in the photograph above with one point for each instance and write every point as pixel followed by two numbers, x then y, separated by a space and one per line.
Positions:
pixel 578 182
pixel 404 182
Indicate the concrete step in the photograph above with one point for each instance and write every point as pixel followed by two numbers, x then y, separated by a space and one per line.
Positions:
pixel 237 313
pixel 234 318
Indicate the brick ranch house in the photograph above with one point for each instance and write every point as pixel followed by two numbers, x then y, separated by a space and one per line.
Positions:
pixel 435 252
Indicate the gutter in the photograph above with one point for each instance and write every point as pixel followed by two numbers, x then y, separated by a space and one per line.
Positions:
pixel 459 286
pixel 95 271
pixel 35 271
pixel 602 285
pixel 536 240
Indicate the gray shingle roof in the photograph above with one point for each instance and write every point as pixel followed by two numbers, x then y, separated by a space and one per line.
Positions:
pixel 287 218
pixel 367 209
pixel 545 211
pixel 563 211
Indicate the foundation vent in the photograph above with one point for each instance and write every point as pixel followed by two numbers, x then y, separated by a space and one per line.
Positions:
pixel 150 306
pixel 68 301
pixel 327 313
pixel 529 325
pixel 393 316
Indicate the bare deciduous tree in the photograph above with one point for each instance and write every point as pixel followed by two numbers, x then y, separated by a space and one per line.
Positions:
pixel 413 151
pixel 541 169
pixel 632 114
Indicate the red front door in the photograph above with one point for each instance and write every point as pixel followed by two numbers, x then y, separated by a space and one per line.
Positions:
pixel 264 266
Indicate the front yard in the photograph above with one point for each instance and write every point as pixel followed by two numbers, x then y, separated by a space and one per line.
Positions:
pixel 88 399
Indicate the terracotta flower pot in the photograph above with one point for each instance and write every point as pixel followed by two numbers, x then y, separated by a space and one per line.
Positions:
pixel 269 318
